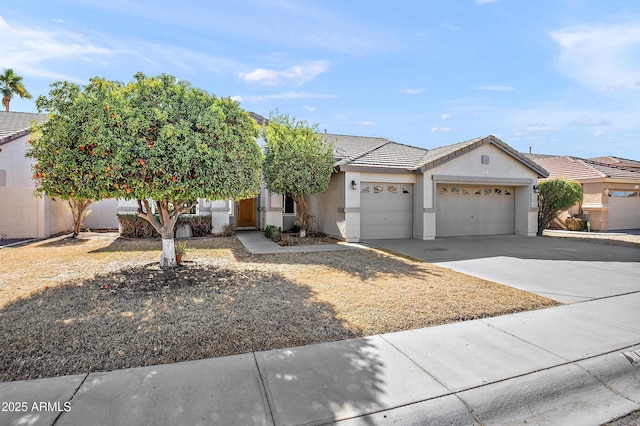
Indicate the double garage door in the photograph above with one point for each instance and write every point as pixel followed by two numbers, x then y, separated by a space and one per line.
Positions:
pixel 386 210
pixel 474 210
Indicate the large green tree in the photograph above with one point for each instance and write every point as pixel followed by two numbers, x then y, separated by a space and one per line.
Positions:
pixel 10 85
pixel 157 140
pixel 298 162
pixel 555 195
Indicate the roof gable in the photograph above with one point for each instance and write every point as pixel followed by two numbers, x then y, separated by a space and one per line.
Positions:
pixel 16 124
pixel 443 154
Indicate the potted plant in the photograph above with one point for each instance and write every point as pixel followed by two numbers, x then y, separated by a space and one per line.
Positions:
pixel 180 249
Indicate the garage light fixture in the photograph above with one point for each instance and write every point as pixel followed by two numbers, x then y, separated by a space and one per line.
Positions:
pixel 354 186
pixel 536 189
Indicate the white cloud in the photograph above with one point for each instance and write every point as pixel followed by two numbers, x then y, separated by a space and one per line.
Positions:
pixel 445 116
pixel 298 75
pixel 496 88
pixel 536 129
pixel 598 133
pixel 585 121
pixel 26 49
pixel 309 108
pixel 413 91
pixel 603 57
pixel 481 2
pixel 367 123
pixel 288 95
pixel 440 129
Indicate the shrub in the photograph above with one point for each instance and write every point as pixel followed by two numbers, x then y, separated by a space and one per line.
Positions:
pixel 200 225
pixel 575 224
pixel 229 230
pixel 274 233
pixel 133 226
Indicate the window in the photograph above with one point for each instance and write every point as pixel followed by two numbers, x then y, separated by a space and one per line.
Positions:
pixel 405 190
pixel 443 190
pixel 466 191
pixel 487 191
pixel 378 189
pixel 392 189
pixel 455 191
pixel 365 189
pixel 497 191
pixel 289 205
pixel 477 191
pixel 618 194
pixel 507 192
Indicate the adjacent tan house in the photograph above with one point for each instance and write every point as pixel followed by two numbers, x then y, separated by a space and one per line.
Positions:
pixel 611 188
pixel 383 190
pixel 23 214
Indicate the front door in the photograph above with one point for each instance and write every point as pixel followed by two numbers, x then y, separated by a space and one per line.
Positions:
pixel 247 213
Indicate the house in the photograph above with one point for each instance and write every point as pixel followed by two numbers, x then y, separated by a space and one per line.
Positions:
pixel 383 189
pixel 611 188
pixel 22 213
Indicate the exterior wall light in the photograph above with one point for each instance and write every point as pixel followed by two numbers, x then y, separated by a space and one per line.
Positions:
pixel 536 189
pixel 354 186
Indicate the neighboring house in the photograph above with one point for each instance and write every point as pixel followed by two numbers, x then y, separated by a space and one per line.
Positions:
pixel 611 188
pixel 382 189
pixel 22 213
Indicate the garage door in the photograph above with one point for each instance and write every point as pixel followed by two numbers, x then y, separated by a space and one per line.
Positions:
pixel 386 210
pixel 474 210
pixel 624 210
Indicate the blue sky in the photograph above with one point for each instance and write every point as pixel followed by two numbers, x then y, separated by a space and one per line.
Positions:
pixel 559 76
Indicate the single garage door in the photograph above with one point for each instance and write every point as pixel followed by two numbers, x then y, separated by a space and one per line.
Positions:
pixel 624 209
pixel 386 210
pixel 474 210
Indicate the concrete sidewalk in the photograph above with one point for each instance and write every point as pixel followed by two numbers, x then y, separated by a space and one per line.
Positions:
pixel 573 364
pixel 256 243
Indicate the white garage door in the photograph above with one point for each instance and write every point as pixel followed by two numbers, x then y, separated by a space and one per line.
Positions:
pixel 386 210
pixel 474 210
pixel 624 210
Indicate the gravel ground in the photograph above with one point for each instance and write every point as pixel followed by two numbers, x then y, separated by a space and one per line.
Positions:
pixel 100 302
pixel 613 238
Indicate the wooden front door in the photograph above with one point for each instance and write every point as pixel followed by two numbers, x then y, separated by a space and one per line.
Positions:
pixel 247 213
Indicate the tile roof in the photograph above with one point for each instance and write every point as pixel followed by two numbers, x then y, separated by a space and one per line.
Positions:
pixel 382 153
pixel 581 169
pixel 617 161
pixel 16 124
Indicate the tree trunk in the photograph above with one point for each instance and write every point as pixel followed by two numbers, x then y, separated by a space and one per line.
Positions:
pixel 79 212
pixel 301 206
pixel 164 225
pixel 5 101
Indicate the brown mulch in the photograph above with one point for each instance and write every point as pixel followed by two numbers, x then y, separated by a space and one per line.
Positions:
pixel 98 302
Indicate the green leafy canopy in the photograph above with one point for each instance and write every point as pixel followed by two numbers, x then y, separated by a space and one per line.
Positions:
pixel 297 160
pixel 154 138
pixel 554 196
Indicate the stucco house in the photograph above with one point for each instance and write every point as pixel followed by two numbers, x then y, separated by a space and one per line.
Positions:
pixel 383 189
pixel 611 188
pixel 22 214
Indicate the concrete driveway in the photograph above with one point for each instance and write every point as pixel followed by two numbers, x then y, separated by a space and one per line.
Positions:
pixel 565 270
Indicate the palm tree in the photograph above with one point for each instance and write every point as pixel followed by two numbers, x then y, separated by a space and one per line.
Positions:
pixel 11 84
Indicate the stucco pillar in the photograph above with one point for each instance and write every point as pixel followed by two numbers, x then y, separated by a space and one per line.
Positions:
pixel 220 215
pixel 351 228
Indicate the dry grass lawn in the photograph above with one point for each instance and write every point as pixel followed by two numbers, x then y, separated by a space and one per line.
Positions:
pixel 100 302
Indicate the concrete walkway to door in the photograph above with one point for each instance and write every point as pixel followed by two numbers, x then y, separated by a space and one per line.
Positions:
pixel 564 270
